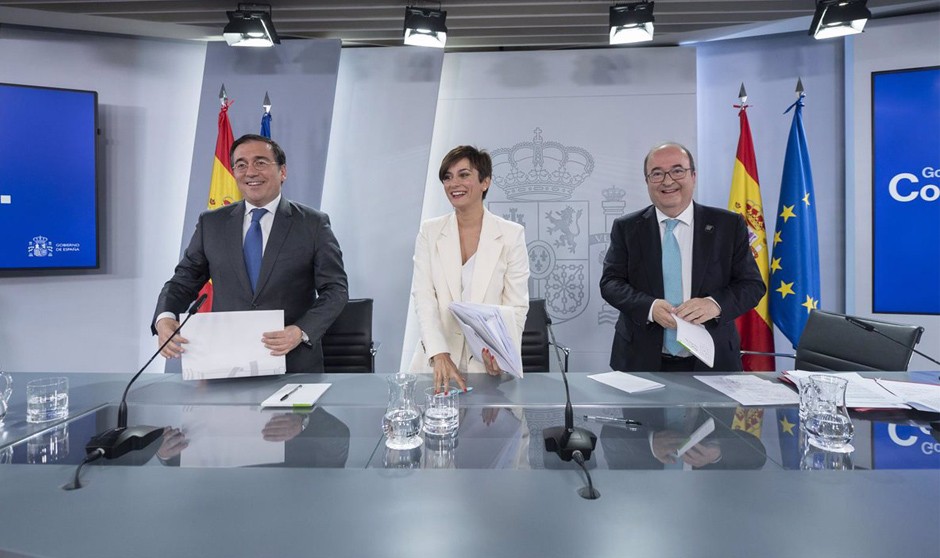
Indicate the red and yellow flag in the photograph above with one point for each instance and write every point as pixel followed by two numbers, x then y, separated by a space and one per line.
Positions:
pixel 222 187
pixel 755 326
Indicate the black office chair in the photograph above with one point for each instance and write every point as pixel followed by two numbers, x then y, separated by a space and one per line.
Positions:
pixel 831 342
pixel 347 344
pixel 537 337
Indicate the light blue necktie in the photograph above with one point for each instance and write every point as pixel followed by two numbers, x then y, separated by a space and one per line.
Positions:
pixel 672 280
pixel 254 247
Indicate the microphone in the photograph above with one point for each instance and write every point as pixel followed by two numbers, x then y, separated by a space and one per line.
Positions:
pixel 115 442
pixel 567 440
pixel 868 327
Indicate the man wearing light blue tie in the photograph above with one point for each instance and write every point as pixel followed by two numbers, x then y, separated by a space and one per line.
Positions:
pixel 262 253
pixel 677 258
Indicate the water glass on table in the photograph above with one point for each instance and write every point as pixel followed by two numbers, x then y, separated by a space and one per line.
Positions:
pixel 47 400
pixel 442 412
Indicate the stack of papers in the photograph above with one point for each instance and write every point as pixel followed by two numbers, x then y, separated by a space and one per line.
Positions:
pixel 861 393
pixel 626 382
pixel 485 325
pixel 751 390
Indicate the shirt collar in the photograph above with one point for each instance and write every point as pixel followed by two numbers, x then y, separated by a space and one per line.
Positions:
pixel 685 217
pixel 271 207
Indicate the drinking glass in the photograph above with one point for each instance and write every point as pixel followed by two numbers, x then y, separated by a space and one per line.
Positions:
pixel 441 415
pixel 47 400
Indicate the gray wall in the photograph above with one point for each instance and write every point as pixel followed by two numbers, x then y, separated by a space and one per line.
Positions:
pixel 148 96
pixel 379 146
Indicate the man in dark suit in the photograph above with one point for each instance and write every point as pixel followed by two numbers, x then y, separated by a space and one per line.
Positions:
pixel 262 253
pixel 677 258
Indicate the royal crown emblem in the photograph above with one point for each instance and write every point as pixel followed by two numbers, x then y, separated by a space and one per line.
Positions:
pixel 39 247
pixel 540 170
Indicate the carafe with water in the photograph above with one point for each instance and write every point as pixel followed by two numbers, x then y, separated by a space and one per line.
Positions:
pixel 402 420
pixel 6 390
pixel 828 423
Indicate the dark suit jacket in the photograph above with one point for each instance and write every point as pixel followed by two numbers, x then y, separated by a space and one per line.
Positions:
pixel 301 273
pixel 722 268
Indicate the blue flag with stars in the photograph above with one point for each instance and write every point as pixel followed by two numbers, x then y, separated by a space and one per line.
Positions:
pixel 794 266
pixel 266 125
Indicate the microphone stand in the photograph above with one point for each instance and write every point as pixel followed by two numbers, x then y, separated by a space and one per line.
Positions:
pixel 115 442
pixel 868 327
pixel 567 440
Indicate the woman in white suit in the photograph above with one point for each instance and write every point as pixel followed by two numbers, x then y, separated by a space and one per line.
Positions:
pixel 469 255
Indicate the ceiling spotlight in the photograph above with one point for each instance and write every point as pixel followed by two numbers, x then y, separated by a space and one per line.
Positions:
pixel 425 27
pixel 631 23
pixel 250 26
pixel 837 18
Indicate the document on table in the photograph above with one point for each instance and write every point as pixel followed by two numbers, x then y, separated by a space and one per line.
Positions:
pixel 296 395
pixel 228 345
pixel 626 382
pixel 488 325
pixel 696 339
pixel 923 397
pixel 860 393
pixel 751 390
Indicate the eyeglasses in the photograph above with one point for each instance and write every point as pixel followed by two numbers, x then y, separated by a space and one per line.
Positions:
pixel 259 165
pixel 675 173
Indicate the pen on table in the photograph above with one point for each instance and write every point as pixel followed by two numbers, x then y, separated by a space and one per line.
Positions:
pixel 291 392
pixel 612 420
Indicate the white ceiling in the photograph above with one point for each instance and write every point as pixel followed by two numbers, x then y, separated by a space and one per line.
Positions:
pixel 472 24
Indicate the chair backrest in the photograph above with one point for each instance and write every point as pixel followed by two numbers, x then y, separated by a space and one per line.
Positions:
pixel 830 342
pixel 347 344
pixel 535 355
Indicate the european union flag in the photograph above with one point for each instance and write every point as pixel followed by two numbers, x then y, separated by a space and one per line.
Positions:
pixel 788 432
pixel 266 125
pixel 794 266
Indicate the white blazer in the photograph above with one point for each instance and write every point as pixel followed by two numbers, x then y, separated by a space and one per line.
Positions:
pixel 500 276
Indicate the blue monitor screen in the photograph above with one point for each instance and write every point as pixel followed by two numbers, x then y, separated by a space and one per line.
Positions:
pixel 906 191
pixel 48 183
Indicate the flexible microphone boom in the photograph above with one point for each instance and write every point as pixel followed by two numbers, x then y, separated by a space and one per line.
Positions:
pixel 118 441
pixel 567 440
pixel 868 327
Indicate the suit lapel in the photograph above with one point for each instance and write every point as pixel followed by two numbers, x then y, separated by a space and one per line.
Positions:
pixel 280 230
pixel 448 250
pixel 488 251
pixel 234 229
pixel 703 242
pixel 652 246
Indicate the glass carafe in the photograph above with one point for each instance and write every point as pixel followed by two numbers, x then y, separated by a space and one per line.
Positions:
pixel 402 420
pixel 828 423
pixel 6 390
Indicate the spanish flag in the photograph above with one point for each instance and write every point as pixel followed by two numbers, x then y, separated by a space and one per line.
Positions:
pixel 755 326
pixel 222 187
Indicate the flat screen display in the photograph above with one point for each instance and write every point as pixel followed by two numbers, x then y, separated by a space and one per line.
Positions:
pixel 906 191
pixel 48 181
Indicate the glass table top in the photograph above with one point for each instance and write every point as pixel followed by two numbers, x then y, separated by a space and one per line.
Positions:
pixel 490 437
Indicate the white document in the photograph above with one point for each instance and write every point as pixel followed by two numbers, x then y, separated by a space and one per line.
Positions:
pixel 923 397
pixel 227 436
pixel 626 382
pixel 228 345
pixel 696 339
pixel 707 428
pixel 751 390
pixel 488 325
pixel 860 393
pixel 296 395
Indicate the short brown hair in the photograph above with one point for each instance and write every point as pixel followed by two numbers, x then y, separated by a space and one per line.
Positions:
pixel 478 158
